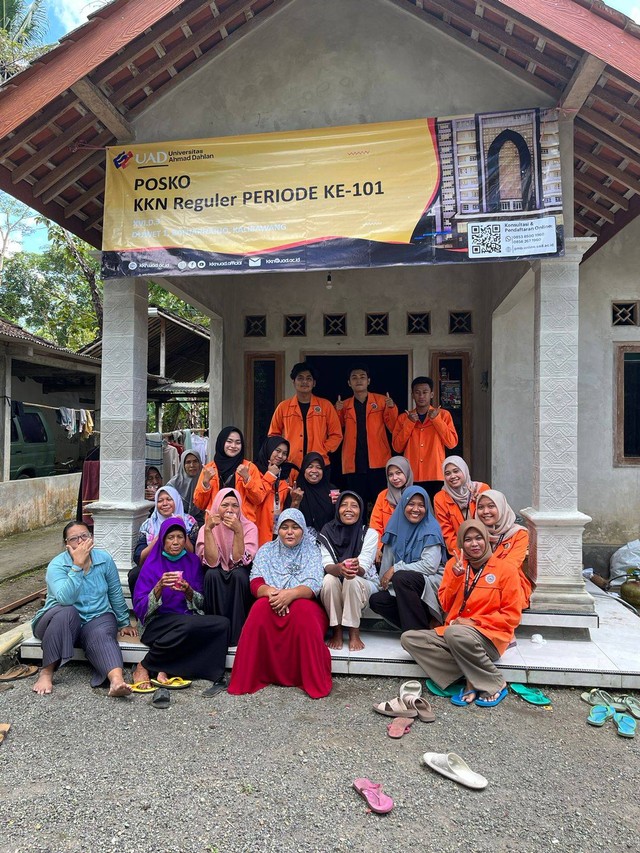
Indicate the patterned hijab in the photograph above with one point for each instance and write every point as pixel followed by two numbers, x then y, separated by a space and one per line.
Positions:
pixel 474 524
pixel 506 526
pixel 285 567
pixel 408 540
pixel 393 494
pixel 151 527
pixel 466 492
pixel 344 541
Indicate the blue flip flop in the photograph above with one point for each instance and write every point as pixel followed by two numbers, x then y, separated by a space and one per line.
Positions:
pixel 599 715
pixel 459 701
pixel 485 703
pixel 625 724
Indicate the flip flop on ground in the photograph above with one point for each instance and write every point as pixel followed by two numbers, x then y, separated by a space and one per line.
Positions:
pixel 453 767
pixel 175 683
pixel 599 715
pixel 628 704
pixel 625 724
pixel 20 670
pixel 597 696
pixel 447 692
pixel 399 727
pixel 161 698
pixel 376 799
pixel 143 687
pixel 483 702
pixel 530 694
pixel 460 701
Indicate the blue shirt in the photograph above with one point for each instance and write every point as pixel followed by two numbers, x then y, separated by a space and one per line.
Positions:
pixel 92 594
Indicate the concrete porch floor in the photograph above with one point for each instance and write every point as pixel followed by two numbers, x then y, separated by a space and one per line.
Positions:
pixel 604 656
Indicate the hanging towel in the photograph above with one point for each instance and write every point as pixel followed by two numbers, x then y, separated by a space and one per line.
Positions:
pixel 153 452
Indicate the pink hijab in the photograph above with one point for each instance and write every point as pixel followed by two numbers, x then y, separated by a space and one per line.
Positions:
pixel 224 536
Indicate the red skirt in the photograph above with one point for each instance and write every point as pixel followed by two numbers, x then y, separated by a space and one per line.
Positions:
pixel 286 650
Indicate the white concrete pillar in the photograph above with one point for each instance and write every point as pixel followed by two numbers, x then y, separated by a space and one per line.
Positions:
pixel 216 356
pixel 123 418
pixel 5 416
pixel 555 524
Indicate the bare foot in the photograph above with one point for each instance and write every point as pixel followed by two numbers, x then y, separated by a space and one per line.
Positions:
pixel 493 696
pixel 470 694
pixel 141 676
pixel 335 641
pixel 118 690
pixel 355 643
pixel 44 682
pixel 162 677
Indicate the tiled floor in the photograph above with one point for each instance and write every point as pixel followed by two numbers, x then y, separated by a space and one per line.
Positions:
pixel 607 656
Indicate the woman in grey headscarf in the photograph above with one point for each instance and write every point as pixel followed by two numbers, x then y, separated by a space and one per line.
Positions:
pixel 185 482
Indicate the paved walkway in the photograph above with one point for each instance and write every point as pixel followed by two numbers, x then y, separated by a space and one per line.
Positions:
pixel 26 551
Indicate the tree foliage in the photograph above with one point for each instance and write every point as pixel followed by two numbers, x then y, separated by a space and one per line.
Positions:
pixel 23 26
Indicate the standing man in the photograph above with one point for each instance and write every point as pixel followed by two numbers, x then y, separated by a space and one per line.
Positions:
pixel 422 435
pixel 365 418
pixel 306 421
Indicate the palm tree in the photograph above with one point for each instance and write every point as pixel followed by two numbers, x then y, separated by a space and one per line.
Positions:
pixel 23 26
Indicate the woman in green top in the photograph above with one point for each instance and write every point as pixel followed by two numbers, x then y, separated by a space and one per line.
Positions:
pixel 84 607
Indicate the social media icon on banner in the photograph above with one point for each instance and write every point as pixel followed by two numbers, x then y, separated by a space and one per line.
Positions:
pixel 255 262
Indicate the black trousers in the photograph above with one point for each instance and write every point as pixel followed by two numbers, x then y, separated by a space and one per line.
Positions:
pixel 406 609
pixel 368 485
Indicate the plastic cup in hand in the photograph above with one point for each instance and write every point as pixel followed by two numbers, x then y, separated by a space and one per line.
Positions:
pixel 178 580
pixel 334 494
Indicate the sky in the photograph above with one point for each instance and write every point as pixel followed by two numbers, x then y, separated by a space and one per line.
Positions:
pixel 66 15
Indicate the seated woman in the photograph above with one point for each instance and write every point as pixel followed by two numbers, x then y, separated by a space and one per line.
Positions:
pixel 481 596
pixel 399 477
pixel 226 546
pixel 412 564
pixel 456 501
pixel 312 492
pixel 152 482
pixel 168 602
pixel 185 482
pixel 509 541
pixel 275 470
pixel 231 470
pixel 84 607
pixel 282 641
pixel 348 550
pixel 168 504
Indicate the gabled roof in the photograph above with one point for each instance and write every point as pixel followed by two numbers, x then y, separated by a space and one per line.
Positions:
pixel 10 332
pixel 57 115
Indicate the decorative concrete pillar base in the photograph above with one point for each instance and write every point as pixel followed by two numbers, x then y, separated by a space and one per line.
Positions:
pixel 555 547
pixel 116 528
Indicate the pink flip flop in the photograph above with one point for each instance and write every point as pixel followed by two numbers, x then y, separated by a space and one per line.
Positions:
pixel 375 797
pixel 399 727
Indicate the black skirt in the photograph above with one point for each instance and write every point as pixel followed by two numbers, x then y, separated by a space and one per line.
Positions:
pixel 187 645
pixel 228 594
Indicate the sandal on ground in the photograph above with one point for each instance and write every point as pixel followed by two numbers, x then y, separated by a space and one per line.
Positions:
pixel 460 702
pixel 20 670
pixel 175 683
pixel 217 687
pixel 625 724
pixel 448 692
pixel 629 705
pixel 376 799
pixel 597 696
pixel 4 730
pixel 139 687
pixel 453 767
pixel 422 708
pixel 161 698
pixel 483 702
pixel 400 726
pixel 410 688
pixel 530 694
pixel 599 715
pixel 394 708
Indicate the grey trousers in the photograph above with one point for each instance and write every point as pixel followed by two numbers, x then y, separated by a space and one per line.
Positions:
pixel 61 630
pixel 462 650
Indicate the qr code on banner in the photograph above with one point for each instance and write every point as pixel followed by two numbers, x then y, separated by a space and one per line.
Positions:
pixel 485 240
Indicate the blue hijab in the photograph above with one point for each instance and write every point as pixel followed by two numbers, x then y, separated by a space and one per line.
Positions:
pixel 408 540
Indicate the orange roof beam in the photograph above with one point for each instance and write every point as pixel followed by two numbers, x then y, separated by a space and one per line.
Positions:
pixel 73 60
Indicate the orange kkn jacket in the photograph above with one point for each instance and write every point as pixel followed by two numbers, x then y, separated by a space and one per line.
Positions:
pixel 450 517
pixel 423 444
pixel 251 492
pixel 378 417
pixel 265 510
pixel 323 427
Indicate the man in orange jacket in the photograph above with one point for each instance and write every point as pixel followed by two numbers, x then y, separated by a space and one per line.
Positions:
pixel 365 419
pixel 306 421
pixel 422 435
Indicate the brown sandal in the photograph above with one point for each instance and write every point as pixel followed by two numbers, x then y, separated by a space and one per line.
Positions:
pixel 422 708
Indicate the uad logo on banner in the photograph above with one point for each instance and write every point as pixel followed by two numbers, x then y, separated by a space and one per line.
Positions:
pixel 151 158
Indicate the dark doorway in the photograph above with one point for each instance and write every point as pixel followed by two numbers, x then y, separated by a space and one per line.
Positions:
pixel 388 373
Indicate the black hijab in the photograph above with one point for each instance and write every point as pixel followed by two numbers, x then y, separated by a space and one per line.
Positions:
pixel 344 541
pixel 228 465
pixel 264 455
pixel 316 505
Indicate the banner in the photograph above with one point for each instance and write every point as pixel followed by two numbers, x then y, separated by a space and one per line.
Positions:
pixel 425 191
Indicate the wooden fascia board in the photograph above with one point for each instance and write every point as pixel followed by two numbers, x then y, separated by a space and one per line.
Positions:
pixel 583 28
pixel 102 108
pixel 584 78
pixel 71 62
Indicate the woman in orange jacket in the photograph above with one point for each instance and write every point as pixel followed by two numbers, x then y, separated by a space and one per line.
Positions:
pixel 509 541
pixel 399 477
pixel 275 470
pixel 482 597
pixel 229 468
pixel 456 501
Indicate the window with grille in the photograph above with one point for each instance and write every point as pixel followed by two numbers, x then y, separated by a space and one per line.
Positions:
pixel 377 324
pixel 255 326
pixel 335 325
pixel 295 325
pixel 624 314
pixel 627 405
pixel 419 323
pixel 460 323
